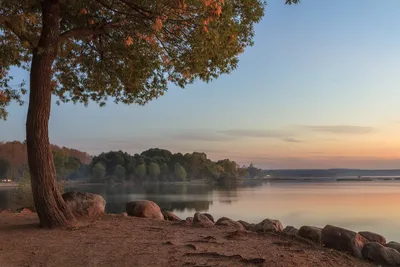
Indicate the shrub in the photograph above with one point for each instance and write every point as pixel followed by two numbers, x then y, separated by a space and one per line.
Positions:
pixel 23 194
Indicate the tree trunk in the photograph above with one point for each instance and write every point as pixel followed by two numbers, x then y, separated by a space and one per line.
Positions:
pixel 50 206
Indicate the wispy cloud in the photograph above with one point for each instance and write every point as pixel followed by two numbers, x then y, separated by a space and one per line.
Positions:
pixel 291 140
pixel 340 129
pixel 256 133
pixel 201 136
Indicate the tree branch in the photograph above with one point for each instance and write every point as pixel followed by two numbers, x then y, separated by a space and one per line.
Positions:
pixel 20 34
pixel 86 31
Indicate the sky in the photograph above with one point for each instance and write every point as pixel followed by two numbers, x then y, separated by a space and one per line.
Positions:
pixel 319 89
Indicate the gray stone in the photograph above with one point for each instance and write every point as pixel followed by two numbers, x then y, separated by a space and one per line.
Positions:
pixel 224 221
pixel 377 253
pixel 343 240
pixel 269 225
pixel 393 245
pixel 201 219
pixel 170 216
pixel 290 231
pixel 373 237
pixel 311 233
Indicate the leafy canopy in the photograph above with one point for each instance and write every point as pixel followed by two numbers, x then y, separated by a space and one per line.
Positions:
pixel 127 50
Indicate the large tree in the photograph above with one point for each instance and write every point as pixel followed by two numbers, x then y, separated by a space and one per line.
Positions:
pixel 124 50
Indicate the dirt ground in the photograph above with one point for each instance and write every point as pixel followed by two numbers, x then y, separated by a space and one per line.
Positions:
pixel 128 241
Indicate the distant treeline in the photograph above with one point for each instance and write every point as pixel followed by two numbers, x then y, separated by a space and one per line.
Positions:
pixel 162 165
pixel 331 173
pixel 70 163
pixel 117 166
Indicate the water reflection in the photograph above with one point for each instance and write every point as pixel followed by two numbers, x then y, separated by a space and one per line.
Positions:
pixel 6 198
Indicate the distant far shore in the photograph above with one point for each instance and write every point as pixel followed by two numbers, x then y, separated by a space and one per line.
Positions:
pixel 269 179
pixel 8 184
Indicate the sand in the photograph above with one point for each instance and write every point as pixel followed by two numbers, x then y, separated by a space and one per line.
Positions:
pixel 115 240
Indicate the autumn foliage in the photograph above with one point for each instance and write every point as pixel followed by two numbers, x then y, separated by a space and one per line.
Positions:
pixel 129 51
pixel 16 154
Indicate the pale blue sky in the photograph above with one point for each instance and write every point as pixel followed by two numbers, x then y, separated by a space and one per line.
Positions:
pixel 320 88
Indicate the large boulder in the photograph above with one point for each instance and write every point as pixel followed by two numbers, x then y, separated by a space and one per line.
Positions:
pixel 269 225
pixel 290 231
pixel 170 216
pixel 144 209
pixel 247 226
pixel 393 245
pixel 373 237
pixel 343 240
pixel 377 253
pixel 311 233
pixel 202 219
pixel 224 221
pixel 84 204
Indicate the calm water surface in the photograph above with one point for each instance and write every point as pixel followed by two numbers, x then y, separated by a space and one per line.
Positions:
pixel 370 206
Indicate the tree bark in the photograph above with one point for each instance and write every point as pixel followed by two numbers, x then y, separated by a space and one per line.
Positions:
pixel 50 206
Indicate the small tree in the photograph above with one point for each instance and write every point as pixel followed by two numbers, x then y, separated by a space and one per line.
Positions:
pixel 154 170
pixel 98 173
pixel 180 172
pixel 120 173
pixel 164 169
pixel 140 171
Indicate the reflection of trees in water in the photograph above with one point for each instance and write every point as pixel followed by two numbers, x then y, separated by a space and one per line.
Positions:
pixel 6 198
pixel 183 194
pixel 164 195
pixel 202 205
pixel 228 194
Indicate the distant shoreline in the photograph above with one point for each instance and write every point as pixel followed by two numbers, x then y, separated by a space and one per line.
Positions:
pixel 8 185
pixel 275 179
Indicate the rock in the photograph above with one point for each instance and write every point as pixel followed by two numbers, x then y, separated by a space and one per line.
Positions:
pixel 244 224
pixel 268 225
pixel 209 216
pixel 201 219
pixel 144 209
pixel 247 226
pixel 224 221
pixel 377 253
pixel 373 237
pixel 393 245
pixel 343 240
pixel 189 220
pixel 290 230
pixel 311 233
pixel 25 210
pixel 124 214
pixel 84 204
pixel 170 216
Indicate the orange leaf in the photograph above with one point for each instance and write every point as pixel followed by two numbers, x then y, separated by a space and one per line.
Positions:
pixel 128 41
pixel 157 24
pixel 83 11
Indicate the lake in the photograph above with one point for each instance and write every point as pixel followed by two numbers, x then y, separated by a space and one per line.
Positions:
pixel 360 206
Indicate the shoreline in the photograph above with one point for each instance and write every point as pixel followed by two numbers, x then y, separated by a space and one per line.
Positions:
pixel 117 240
pixel 145 219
